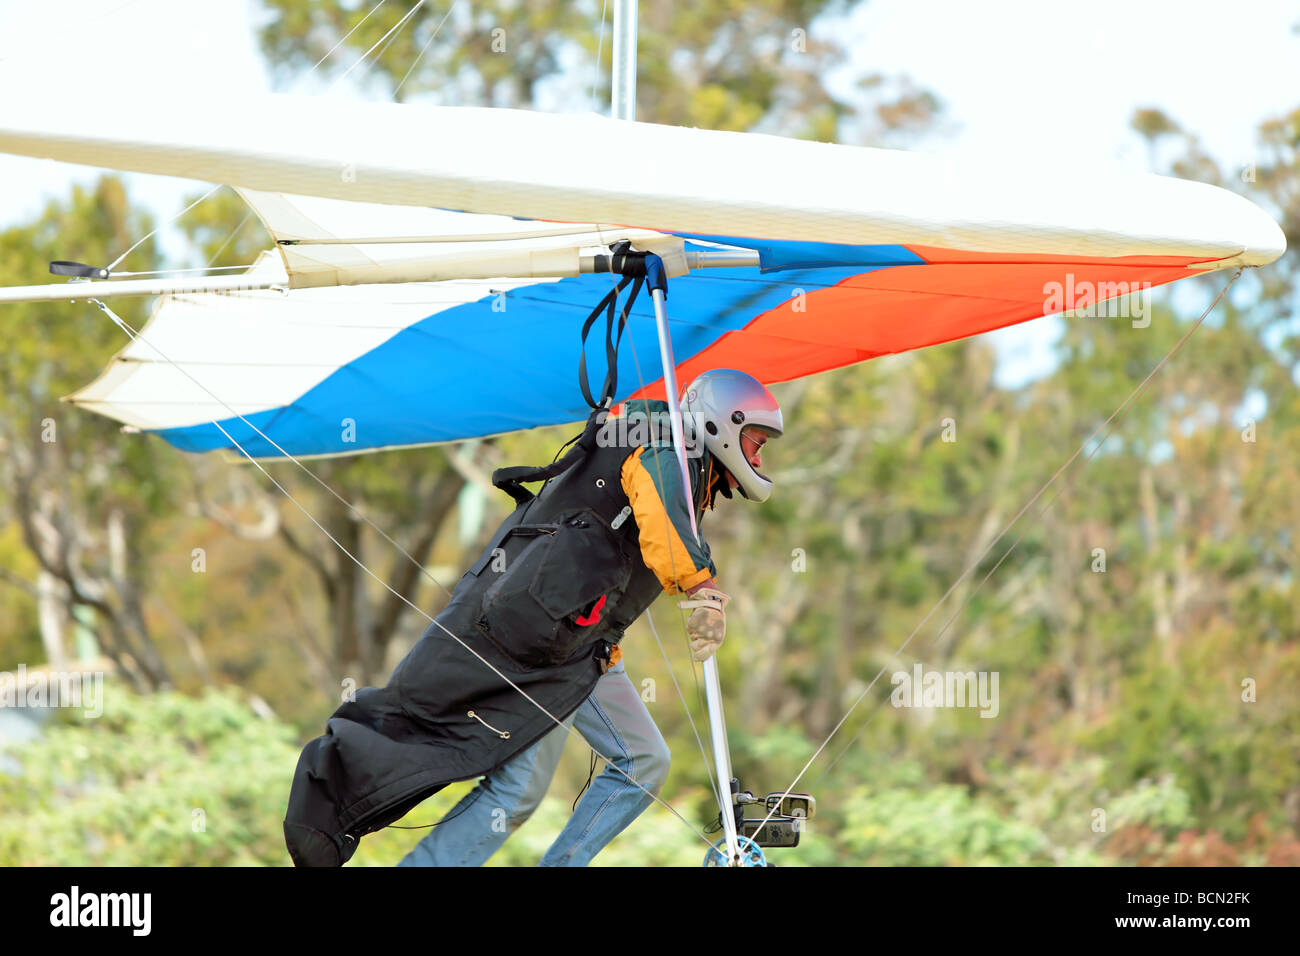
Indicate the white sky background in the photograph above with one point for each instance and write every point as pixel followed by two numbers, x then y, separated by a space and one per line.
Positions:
pixel 1033 80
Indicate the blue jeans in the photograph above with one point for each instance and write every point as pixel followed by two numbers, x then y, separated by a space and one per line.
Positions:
pixel 615 723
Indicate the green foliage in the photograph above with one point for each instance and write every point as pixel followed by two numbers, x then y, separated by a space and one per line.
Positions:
pixel 224 230
pixel 20 640
pixel 158 780
pixel 722 65
pixel 171 780
pixel 940 826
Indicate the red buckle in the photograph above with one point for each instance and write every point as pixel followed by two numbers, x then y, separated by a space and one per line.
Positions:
pixel 592 617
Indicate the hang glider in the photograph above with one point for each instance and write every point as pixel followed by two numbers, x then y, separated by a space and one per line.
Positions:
pixel 433 265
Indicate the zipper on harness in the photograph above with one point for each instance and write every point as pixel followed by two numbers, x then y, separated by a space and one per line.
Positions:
pixel 620 518
pixel 503 734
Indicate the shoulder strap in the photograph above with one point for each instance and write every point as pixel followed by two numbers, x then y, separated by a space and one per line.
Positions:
pixel 637 268
pixel 634 267
pixel 509 479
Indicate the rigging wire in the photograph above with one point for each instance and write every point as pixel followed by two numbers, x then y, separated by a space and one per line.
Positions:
pixel 974 564
pixel 155 229
pixel 342 41
pixel 636 362
pixel 708 764
pixel 423 49
pixel 214 189
pixel 229 239
pixel 393 29
pixel 955 614
pixel 382 50
pixel 172 272
pixel 298 82
pixel 600 45
pixel 614 280
pixel 137 337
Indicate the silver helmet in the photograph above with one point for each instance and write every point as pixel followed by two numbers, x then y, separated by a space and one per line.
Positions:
pixel 716 407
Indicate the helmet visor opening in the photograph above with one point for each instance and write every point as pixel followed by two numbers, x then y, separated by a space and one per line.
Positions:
pixel 755 438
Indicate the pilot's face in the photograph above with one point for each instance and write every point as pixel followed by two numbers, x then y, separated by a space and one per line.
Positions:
pixel 752 441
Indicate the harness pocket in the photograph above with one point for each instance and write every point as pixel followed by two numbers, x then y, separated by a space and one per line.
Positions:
pixel 548 598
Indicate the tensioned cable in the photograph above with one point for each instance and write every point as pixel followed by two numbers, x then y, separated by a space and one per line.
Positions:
pixel 173 272
pixel 383 49
pixel 393 29
pixel 353 509
pixel 689 718
pixel 299 81
pixel 214 189
pixel 969 597
pixel 332 49
pixel 135 336
pixel 1097 446
pixel 974 564
pixel 423 49
pixel 229 239
pixel 636 362
pixel 955 614
pixel 614 280
pixel 723 806
pixel 155 230
pixel 342 41
pixel 600 45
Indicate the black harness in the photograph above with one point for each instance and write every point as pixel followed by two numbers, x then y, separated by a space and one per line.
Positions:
pixel 544 605
pixel 635 268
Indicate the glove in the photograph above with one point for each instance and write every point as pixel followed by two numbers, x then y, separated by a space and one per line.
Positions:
pixel 707 624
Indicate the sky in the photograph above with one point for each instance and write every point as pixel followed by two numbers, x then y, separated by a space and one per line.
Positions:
pixel 1031 80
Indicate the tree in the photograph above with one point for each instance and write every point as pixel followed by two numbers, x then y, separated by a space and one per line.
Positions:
pixel 713 65
pixel 85 500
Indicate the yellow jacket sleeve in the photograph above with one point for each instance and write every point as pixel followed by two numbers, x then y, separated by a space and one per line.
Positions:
pixel 652 481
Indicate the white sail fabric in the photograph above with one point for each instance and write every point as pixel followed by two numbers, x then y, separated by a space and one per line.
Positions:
pixel 337 242
pixel 895 251
pixel 586 168
pixel 208 357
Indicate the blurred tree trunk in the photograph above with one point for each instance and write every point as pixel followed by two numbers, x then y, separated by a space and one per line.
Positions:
pixel 363 617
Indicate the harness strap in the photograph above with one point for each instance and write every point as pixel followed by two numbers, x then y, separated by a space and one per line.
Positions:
pixel 636 268
pixel 508 479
